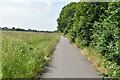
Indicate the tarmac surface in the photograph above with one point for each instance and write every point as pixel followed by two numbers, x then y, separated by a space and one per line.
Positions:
pixel 68 62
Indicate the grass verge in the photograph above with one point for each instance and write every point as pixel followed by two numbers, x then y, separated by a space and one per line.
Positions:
pixel 106 68
pixel 24 54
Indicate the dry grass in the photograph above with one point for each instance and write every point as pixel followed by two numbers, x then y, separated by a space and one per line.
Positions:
pixel 95 58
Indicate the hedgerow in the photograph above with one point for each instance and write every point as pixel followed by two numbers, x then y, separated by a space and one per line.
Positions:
pixel 96 25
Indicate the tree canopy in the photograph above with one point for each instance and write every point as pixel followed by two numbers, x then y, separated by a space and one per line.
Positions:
pixel 93 24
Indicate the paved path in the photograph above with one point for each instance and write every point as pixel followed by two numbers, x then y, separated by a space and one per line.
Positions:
pixel 68 62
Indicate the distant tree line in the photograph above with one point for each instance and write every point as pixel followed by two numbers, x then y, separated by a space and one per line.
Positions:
pixel 20 29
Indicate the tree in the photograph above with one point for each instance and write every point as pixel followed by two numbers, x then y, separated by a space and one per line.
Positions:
pixel 13 28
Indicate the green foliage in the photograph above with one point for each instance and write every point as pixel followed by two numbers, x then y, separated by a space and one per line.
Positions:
pixel 93 24
pixel 113 69
pixel 65 19
pixel 24 54
pixel 106 34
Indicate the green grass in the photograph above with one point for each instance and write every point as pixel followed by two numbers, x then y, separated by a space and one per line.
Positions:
pixel 24 54
pixel 0 54
pixel 106 68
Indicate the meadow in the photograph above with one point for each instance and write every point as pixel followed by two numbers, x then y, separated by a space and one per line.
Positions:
pixel 25 54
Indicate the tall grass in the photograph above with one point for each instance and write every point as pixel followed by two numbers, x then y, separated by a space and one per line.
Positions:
pixel 24 54
pixel 0 54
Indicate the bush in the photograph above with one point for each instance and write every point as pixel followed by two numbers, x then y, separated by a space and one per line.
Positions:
pixel 94 24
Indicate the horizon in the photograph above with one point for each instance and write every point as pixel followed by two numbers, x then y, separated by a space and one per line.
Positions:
pixel 10 29
pixel 30 14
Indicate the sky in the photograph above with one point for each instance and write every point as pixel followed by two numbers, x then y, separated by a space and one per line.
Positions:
pixel 33 14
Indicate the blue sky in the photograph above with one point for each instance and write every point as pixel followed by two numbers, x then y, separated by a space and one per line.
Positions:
pixel 34 14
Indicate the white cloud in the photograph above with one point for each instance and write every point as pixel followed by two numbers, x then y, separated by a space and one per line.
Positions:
pixel 26 15
pixel 39 0
pixel 13 1
pixel 35 14
pixel 25 10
